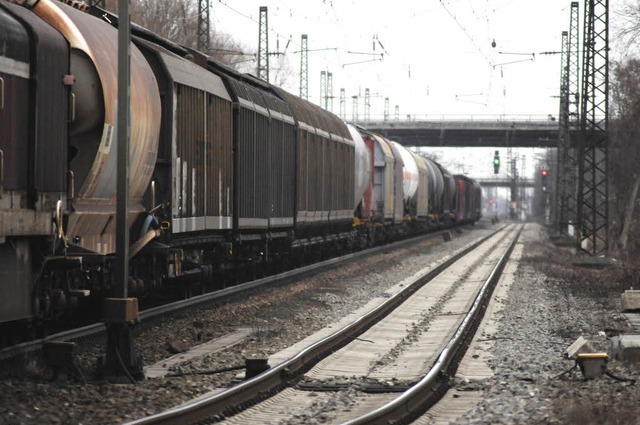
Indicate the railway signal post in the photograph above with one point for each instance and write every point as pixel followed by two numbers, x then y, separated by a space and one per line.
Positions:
pixel 120 311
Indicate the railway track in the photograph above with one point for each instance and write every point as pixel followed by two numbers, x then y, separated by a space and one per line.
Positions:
pixel 386 366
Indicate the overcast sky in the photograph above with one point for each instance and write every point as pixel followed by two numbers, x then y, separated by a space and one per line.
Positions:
pixel 432 57
pixel 437 56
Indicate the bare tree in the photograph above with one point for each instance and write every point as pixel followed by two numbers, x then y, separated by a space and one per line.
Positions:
pixel 624 152
pixel 177 20
pixel 229 51
pixel 283 74
pixel 628 26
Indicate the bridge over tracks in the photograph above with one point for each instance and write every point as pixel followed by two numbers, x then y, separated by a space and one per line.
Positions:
pixel 518 131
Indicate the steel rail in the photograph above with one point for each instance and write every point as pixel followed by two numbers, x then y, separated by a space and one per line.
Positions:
pixel 252 391
pixel 414 401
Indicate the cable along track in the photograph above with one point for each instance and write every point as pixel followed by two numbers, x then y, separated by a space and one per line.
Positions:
pixel 386 366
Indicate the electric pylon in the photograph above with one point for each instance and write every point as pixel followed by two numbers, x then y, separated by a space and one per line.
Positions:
pixel 204 35
pixel 566 214
pixel 354 116
pixel 386 109
pixel 323 89
pixel 304 67
pixel 329 94
pixel 593 192
pixel 367 105
pixel 263 45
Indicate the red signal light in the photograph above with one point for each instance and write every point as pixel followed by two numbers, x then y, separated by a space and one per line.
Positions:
pixel 544 173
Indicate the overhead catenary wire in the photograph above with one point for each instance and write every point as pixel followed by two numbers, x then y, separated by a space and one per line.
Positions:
pixel 466 33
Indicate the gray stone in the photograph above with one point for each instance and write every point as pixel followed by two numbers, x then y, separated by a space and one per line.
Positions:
pixel 626 348
pixel 578 347
pixel 630 300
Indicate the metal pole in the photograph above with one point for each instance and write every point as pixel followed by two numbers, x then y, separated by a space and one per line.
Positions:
pixel 304 68
pixel 122 197
pixel 120 312
pixel 263 44
pixel 204 35
pixel 593 195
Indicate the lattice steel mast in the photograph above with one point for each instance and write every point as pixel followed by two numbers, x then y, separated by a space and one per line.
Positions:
pixel 204 35
pixel 386 109
pixel 304 67
pixel 263 45
pixel 594 119
pixel 367 105
pixel 323 89
pixel 569 123
pixel 330 91
pixel 563 115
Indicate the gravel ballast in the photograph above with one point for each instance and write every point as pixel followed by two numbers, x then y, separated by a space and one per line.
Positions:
pixel 548 306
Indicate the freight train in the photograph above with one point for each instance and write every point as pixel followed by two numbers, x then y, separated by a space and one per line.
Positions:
pixel 230 176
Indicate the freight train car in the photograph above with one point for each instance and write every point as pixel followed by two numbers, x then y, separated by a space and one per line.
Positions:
pixel 230 176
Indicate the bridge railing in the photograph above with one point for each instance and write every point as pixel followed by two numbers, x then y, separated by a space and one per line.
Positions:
pixel 501 118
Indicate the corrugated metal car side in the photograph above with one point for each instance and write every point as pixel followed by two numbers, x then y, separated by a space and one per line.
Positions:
pixel 190 149
pixel 219 200
pixel 282 167
pixel 302 174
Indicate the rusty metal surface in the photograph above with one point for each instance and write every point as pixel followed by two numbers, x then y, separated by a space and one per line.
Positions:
pixel 98 41
pixel 96 165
